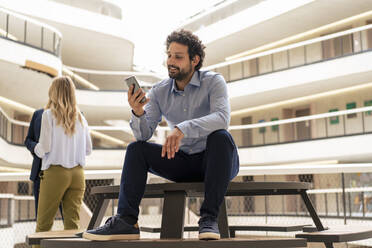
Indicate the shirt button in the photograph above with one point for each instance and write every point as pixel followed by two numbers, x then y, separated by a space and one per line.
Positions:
pixel 184 110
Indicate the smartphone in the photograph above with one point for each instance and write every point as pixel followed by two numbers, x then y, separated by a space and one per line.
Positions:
pixel 133 81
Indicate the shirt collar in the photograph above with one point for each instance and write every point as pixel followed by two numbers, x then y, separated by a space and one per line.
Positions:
pixel 195 80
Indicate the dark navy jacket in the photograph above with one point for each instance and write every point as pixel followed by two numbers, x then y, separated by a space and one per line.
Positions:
pixel 32 139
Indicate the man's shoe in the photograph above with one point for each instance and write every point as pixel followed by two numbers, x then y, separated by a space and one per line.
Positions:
pixel 115 228
pixel 208 228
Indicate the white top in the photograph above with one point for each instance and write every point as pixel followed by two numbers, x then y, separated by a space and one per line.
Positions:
pixel 55 147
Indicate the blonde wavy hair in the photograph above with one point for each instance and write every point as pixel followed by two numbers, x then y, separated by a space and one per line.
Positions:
pixel 62 103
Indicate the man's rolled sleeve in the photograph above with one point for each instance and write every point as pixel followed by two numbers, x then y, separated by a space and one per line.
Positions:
pixel 185 129
pixel 136 123
pixel 144 126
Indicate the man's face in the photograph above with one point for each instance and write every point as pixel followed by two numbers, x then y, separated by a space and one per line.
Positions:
pixel 178 62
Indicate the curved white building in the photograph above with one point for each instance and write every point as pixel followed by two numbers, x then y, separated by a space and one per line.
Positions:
pixel 298 72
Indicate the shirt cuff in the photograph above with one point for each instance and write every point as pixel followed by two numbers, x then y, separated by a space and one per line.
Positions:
pixel 136 116
pixel 183 127
pixel 39 151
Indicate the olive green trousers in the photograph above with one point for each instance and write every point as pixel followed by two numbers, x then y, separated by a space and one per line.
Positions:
pixel 60 185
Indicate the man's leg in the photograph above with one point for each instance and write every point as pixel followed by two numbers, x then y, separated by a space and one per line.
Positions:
pixel 142 157
pixel 221 165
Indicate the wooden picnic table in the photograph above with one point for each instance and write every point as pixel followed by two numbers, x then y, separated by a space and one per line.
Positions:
pixel 172 224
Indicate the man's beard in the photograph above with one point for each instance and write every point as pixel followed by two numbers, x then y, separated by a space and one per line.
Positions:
pixel 179 74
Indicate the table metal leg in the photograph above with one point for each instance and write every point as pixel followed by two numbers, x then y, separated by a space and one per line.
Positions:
pixel 223 224
pixel 314 215
pixel 99 212
pixel 173 216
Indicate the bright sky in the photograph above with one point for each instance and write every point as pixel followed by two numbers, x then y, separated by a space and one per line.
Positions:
pixel 151 21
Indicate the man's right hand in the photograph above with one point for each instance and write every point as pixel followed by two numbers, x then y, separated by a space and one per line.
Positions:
pixel 134 100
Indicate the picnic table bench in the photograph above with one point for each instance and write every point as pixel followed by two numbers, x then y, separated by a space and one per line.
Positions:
pixel 234 228
pixel 172 243
pixel 35 238
pixel 172 224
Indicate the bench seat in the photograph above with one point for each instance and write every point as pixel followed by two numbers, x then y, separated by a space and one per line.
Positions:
pixel 197 189
pixel 171 243
pixel 35 238
pixel 234 228
pixel 338 234
pixel 310 228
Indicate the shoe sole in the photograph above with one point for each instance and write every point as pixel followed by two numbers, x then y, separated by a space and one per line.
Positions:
pixel 209 236
pixel 110 237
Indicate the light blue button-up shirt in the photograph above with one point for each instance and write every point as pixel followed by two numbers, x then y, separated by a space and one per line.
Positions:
pixel 203 107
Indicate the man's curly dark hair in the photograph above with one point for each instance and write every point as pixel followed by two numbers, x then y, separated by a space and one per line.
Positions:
pixel 195 46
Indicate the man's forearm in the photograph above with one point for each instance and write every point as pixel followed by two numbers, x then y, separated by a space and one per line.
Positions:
pixel 205 125
pixel 140 127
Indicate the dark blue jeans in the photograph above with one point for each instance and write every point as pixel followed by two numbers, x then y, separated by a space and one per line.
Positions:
pixel 215 166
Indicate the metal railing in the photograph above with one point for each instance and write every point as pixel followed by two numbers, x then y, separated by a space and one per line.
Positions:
pixel 104 80
pixel 320 126
pixel 340 203
pixel 29 32
pixel 337 45
pixel 332 46
pixel 12 131
pixel 15 133
pixel 353 201
pixel 17 204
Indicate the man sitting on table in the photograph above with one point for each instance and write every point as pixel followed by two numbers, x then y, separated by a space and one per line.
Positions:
pixel 196 107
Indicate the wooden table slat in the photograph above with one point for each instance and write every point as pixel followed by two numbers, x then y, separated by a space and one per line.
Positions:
pixel 338 234
pixel 265 227
pixel 185 243
pixel 235 188
pixel 35 238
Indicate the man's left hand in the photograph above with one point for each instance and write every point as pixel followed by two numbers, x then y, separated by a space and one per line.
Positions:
pixel 172 143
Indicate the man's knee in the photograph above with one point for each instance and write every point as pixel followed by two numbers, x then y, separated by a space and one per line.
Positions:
pixel 135 146
pixel 220 136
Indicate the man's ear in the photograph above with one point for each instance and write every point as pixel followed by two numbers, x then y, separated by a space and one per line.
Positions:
pixel 195 60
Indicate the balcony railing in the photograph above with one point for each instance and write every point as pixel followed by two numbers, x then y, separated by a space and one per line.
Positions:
pixel 320 126
pixel 337 45
pixel 29 32
pixel 15 132
pixel 104 80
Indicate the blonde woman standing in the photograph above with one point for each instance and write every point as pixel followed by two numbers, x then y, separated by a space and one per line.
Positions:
pixel 64 142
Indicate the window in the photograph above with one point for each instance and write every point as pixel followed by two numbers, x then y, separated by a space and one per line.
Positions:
pixel 334 119
pixel 275 127
pixel 351 105
pixel 338 46
pixel 262 129
pixel 369 36
pixel 368 103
